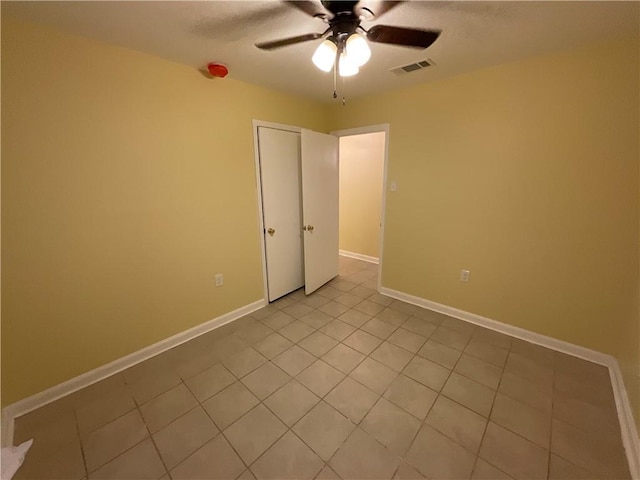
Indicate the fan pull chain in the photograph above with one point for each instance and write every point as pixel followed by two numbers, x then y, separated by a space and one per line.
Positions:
pixel 335 76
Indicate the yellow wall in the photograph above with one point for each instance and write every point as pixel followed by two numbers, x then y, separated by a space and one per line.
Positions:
pixel 526 174
pixel 361 171
pixel 128 182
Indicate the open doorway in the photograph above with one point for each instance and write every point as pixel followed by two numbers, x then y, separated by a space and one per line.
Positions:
pixel 362 159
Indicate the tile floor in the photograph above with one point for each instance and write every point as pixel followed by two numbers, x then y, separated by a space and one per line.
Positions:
pixel 345 383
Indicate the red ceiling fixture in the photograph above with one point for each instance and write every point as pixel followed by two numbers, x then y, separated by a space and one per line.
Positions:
pixel 217 70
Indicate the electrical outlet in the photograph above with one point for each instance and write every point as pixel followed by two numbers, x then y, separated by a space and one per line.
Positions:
pixel 219 280
pixel 464 275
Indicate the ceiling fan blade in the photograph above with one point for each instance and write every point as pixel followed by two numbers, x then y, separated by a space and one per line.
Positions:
pixel 312 9
pixel 288 41
pixel 376 7
pixel 407 37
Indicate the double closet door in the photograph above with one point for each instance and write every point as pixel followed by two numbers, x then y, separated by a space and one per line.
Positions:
pixel 299 184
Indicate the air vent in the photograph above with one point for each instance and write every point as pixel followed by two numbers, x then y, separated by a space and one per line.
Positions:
pixel 412 67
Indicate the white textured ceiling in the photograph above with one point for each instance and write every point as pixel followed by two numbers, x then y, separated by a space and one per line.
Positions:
pixel 475 34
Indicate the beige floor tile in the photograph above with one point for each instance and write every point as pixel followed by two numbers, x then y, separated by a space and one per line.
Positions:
pixel 407 472
pixel 485 351
pixel 165 408
pixel 316 319
pixel 288 458
pixel 471 394
pixel 291 402
pixel 64 462
pixel 254 333
pixel 479 370
pixel 111 440
pixel 458 325
pixel 283 302
pixel 381 299
pixel 230 404
pixel 392 356
pixel 362 292
pixel 430 316
pixel 294 360
pixel 348 299
pixel 378 328
pixel 426 372
pixel 485 471
pixel 561 469
pixel 352 399
pixel 318 343
pixel 334 309
pixel 265 380
pixel 457 422
pixel 363 342
pixel 244 362
pixel 354 318
pixel 531 423
pixel 53 429
pixel 420 326
pixel 374 375
pixel 337 330
pixel 329 292
pixel 273 345
pixel 408 340
pixel 589 451
pixel 324 429
pixel 440 354
pixel 296 331
pixel 264 312
pixel 361 457
pixel 343 285
pixel 492 337
pixel 215 460
pixel 586 416
pixel 369 307
pixel 391 426
pixel 209 382
pixel 254 433
pixel 529 369
pixel 436 456
pixel 529 393
pixel 228 346
pixel 320 378
pixel 392 316
pixel 184 436
pixel 109 406
pixel 152 385
pixel 246 475
pixel 585 391
pixel 188 367
pixel 298 310
pixel 327 473
pixel 314 300
pixel 343 358
pixel 404 307
pixel 97 391
pixel 582 369
pixel 539 355
pixel 141 462
pixel 513 454
pixel 277 320
pixel 411 396
pixel 451 338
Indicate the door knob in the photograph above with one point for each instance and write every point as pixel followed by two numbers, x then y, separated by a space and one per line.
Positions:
pixel 271 231
pixel 310 228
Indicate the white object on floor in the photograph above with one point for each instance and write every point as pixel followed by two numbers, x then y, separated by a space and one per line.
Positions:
pixel 12 458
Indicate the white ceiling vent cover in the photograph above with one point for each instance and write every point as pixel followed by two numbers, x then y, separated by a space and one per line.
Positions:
pixel 412 67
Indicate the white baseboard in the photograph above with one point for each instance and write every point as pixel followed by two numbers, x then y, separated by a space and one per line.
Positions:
pixel 26 405
pixel 358 256
pixel 625 414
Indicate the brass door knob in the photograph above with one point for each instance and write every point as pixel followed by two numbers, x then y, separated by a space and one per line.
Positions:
pixel 310 228
pixel 271 231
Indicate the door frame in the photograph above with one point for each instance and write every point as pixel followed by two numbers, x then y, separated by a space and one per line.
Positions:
pixel 383 127
pixel 256 153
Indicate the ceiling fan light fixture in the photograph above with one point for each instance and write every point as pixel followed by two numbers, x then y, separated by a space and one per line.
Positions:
pixel 358 50
pixel 325 55
pixel 346 66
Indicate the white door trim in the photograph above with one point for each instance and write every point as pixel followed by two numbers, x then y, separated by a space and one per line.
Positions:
pixel 383 127
pixel 256 153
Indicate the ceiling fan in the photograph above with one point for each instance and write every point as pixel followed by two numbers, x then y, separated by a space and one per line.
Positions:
pixel 345 46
